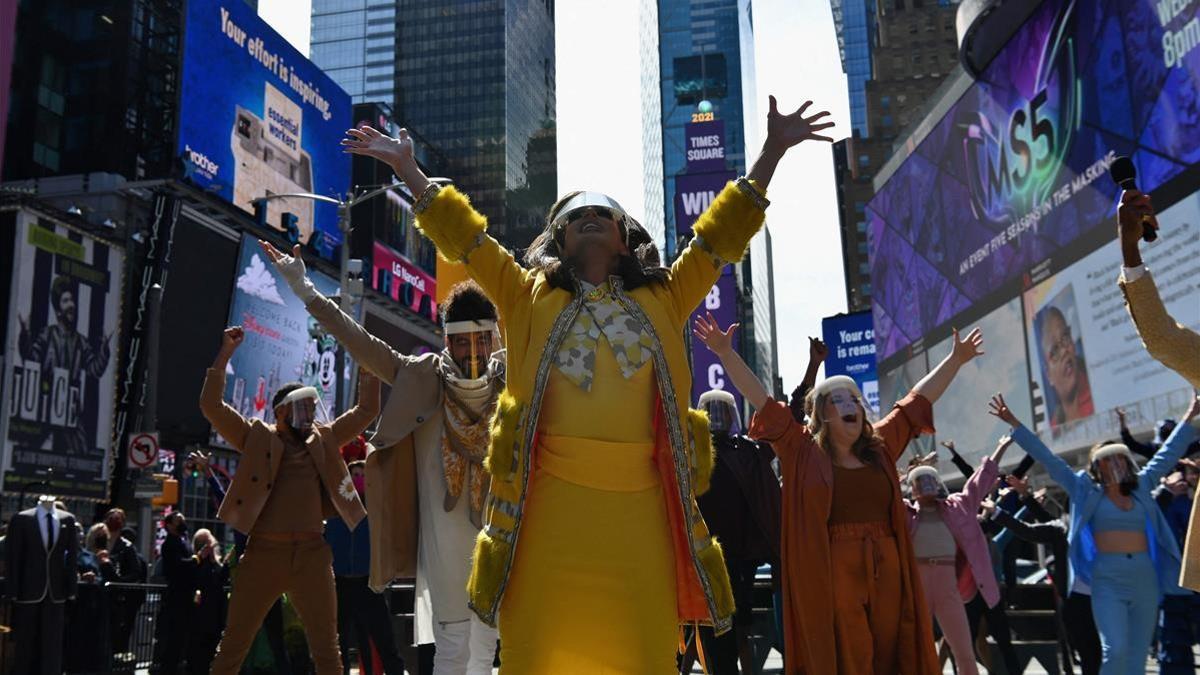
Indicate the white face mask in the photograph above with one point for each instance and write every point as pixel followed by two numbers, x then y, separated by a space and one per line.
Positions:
pixel 1113 470
pixel 926 485
pixel 303 404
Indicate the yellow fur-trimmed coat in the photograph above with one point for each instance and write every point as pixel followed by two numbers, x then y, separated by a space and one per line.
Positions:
pixel 536 318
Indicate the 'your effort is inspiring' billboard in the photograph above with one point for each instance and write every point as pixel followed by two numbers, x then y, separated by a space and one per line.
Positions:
pixel 257 118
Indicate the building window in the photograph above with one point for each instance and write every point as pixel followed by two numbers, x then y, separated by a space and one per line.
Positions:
pixel 700 77
pixel 862 247
pixel 885 102
pixel 864 268
pixel 860 207
pixel 886 120
pixel 864 160
pixel 861 226
pixel 865 289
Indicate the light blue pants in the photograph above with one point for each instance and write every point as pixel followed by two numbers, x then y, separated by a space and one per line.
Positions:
pixel 1125 606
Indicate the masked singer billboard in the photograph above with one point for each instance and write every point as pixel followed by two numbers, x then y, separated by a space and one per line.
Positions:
pixel 1017 170
pixel 283 343
pixel 61 365
pixel 257 118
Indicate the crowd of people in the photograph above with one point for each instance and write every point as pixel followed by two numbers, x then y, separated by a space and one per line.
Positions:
pixel 546 481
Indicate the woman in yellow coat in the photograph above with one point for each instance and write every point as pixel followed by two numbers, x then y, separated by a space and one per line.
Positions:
pixel 593 551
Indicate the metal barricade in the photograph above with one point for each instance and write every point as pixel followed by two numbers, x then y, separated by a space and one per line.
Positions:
pixel 133 617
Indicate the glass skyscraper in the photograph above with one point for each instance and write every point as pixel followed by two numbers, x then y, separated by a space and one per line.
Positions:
pixel 706 55
pixel 852 19
pixel 474 79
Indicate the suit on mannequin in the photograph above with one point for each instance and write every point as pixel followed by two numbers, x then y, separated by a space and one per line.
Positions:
pixel 42 550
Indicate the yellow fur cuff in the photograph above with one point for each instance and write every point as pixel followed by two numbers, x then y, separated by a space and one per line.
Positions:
pixel 451 224
pixel 729 223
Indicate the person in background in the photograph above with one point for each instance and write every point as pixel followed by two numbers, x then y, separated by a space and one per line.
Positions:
pixel 852 598
pixel 175 614
pixel 944 529
pixel 817 353
pixel 1114 524
pixel 209 601
pixel 742 509
pixel 1179 620
pixel 1162 429
pixel 130 568
pixel 360 611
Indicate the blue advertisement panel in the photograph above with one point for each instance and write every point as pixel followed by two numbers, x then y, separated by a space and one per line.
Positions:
pixel 1017 171
pixel 851 342
pixel 257 118
pixel 707 371
pixel 283 343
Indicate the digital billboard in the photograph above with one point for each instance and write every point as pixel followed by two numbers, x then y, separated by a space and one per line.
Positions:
pixel 707 370
pixel 693 194
pixel 61 359
pixel 1016 171
pixel 283 343
pixel 851 342
pixel 398 278
pixel 257 118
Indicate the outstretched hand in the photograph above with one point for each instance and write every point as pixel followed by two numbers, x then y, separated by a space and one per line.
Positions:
pixel 969 347
pixel 709 332
pixel 817 351
pixel 784 131
pixel 998 408
pixel 370 142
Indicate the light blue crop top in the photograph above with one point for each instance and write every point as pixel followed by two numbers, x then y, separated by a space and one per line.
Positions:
pixel 1111 518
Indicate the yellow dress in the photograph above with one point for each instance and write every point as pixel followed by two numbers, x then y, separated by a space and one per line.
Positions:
pixel 593 584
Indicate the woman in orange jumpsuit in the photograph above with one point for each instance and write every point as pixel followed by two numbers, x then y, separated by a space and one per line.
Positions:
pixel 845 544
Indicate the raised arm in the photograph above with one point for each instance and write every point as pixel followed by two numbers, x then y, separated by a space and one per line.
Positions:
pixel 227 422
pixel 983 479
pixel 1058 469
pixel 1173 448
pixel 933 385
pixel 724 230
pixel 964 467
pixel 445 216
pixel 356 420
pixel 817 353
pixel 1170 343
pixel 369 351
pixel 1135 446
pixel 721 343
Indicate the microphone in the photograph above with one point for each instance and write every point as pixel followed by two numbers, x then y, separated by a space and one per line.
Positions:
pixel 1124 174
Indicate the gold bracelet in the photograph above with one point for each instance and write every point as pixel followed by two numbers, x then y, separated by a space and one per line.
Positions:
pixel 752 192
pixel 426 198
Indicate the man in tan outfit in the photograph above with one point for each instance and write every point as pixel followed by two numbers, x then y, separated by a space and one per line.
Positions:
pixel 291 477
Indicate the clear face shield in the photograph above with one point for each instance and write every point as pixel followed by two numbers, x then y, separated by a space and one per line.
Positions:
pixel 722 412
pixel 1114 465
pixel 304 407
pixel 925 482
pixel 471 344
pixel 601 204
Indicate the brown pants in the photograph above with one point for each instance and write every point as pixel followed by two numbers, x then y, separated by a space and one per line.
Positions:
pixel 303 570
pixel 866 597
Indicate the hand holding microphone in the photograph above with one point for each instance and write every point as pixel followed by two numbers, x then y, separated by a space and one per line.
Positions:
pixel 1135 216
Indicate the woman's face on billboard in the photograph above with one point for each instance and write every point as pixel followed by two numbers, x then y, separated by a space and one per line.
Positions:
pixel 1058 349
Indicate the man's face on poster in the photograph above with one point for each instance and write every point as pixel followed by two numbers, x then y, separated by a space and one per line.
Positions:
pixel 65 310
pixel 1058 348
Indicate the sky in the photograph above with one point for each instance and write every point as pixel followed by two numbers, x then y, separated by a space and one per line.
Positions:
pixel 796 59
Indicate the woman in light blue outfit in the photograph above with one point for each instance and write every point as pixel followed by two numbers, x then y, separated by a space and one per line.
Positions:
pixel 1120 542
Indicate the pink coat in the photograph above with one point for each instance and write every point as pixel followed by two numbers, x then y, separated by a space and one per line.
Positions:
pixel 973 563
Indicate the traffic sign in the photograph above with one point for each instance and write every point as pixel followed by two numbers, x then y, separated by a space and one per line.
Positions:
pixel 143 450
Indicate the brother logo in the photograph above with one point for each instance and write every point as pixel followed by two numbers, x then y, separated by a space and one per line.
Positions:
pixel 202 162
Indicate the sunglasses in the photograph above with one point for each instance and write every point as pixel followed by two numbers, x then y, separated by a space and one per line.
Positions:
pixel 599 211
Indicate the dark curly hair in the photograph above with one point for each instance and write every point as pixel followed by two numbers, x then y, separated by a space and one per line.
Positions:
pixel 641 268
pixel 467 302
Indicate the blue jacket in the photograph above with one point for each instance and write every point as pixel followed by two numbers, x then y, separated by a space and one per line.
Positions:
pixel 351 548
pixel 1086 494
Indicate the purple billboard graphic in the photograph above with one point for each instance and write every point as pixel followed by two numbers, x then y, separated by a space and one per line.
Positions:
pixel 1015 173
pixel 707 371
pixel 693 194
pixel 705 143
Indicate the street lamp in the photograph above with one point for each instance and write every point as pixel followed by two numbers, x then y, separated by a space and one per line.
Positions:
pixel 350 281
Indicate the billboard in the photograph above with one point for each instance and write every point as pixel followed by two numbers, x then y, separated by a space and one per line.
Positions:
pixel 707 371
pixel 61 366
pixel 398 278
pixel 283 343
pixel 705 143
pixel 257 118
pixel 693 194
pixel 851 342
pixel 1015 173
